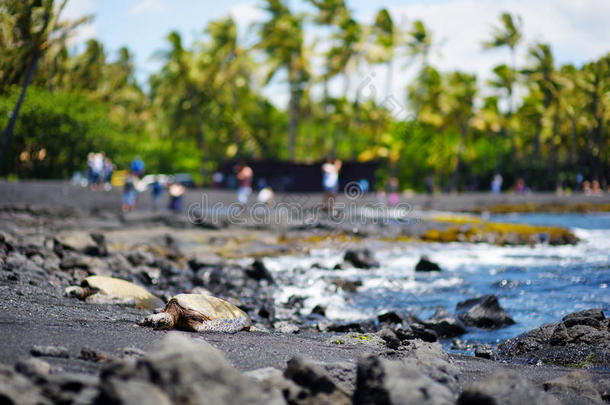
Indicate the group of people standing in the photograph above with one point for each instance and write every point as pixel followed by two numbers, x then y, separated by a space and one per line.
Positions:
pixel 99 171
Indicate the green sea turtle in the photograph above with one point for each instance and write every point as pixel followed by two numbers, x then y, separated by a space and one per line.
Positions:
pixel 199 313
pixel 110 290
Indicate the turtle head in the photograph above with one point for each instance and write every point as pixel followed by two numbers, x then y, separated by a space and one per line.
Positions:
pixel 75 292
pixel 162 320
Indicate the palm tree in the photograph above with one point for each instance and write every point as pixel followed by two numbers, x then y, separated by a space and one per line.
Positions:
pixel 385 36
pixel 34 28
pixel 461 92
pixel 543 75
pixel 508 34
pixel 419 43
pixel 596 86
pixel 282 39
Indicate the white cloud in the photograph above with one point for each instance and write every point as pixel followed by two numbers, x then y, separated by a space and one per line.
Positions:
pixel 148 7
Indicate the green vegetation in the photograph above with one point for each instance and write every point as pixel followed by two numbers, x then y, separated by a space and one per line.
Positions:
pixel 205 105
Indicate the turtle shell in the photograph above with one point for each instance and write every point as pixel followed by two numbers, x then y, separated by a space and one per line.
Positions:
pixel 211 313
pixel 120 291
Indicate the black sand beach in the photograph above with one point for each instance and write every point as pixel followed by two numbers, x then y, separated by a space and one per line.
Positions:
pixel 35 313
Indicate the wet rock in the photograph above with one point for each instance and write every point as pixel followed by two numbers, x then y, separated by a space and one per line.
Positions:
pixel 362 259
pixel 483 312
pixel 559 336
pixel 576 388
pixel 576 345
pixel 416 331
pixel 590 317
pixel 258 271
pixel 389 337
pixel 425 265
pixel 484 352
pixel 390 318
pixel 311 385
pixel 347 285
pixel 49 351
pixel 444 324
pixel 17 389
pixel 319 309
pixel 507 389
pixel 186 372
pixel 395 382
pixel 358 327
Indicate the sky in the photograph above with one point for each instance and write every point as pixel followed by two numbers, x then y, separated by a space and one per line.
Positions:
pixel 577 30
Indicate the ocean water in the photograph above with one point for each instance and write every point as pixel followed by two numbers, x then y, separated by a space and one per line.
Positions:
pixel 535 285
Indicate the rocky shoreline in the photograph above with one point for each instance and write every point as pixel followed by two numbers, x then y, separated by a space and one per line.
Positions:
pixel 61 350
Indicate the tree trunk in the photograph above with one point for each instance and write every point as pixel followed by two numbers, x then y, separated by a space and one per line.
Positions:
pixel 292 118
pixel 7 134
pixel 388 80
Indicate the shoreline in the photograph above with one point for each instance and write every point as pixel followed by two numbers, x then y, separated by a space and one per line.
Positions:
pixel 36 243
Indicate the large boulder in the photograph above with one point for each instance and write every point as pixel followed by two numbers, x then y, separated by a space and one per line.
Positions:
pixel 483 312
pixel 362 259
pixel 386 382
pixel 580 339
pixel 444 324
pixel 181 371
pixel 505 388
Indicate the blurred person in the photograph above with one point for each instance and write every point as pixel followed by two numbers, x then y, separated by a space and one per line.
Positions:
pixel 430 189
pixel 520 186
pixel 97 169
pixel 176 191
pixel 137 166
pixel 393 196
pixel 330 181
pixel 244 179
pixel 129 192
pixel 596 190
pixel 586 187
pixel 217 179
pixel 266 195
pixel 108 171
pixel 364 185
pixel 90 157
pixel 496 184
pixel 156 189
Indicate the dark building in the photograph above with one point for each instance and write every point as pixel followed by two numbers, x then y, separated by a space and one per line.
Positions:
pixel 299 177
